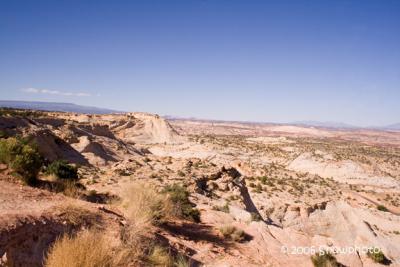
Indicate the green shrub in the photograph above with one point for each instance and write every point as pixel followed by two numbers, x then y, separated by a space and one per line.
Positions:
pixel 255 216
pixel 325 259
pixel 232 233
pixel 224 208
pixel 3 134
pixel 180 197
pixel 61 169
pixel 263 179
pixel 377 255
pixel 191 213
pixel 258 188
pixel 27 164
pixel 9 148
pixel 382 208
pixel 22 157
pixel 123 172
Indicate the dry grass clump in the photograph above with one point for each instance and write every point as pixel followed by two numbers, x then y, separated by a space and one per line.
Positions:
pixel 224 208
pixel 141 250
pixel 145 206
pixel 181 261
pixel 160 256
pixel 70 189
pixel 134 248
pixel 86 249
pixel 78 215
pixel 90 248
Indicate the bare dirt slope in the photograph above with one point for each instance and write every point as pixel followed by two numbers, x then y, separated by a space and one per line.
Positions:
pixel 31 220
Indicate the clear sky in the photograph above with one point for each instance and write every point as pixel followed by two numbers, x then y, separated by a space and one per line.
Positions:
pixel 276 61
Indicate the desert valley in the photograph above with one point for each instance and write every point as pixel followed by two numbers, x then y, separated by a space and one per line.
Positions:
pixel 140 190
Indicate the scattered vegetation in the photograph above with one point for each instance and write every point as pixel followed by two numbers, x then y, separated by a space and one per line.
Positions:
pixel 12 112
pixel 145 206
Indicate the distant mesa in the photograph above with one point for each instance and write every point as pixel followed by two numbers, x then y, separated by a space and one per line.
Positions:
pixel 395 127
pixel 53 106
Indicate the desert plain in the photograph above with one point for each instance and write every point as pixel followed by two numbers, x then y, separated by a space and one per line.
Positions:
pixel 241 194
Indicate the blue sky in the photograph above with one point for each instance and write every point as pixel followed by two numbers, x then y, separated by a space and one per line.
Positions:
pixel 276 61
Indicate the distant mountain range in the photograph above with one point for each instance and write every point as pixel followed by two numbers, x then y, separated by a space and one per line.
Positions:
pixel 69 107
pixel 340 125
pixel 326 124
pixel 52 106
pixel 318 124
pixel 395 126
